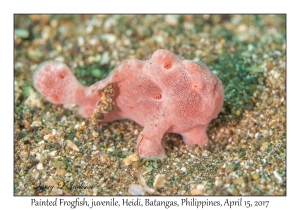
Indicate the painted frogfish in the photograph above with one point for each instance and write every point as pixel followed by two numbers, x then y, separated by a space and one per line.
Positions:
pixel 166 93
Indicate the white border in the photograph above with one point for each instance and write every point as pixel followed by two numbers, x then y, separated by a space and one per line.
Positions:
pixel 154 6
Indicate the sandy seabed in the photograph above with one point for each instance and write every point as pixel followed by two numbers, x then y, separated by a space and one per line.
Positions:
pixel 56 152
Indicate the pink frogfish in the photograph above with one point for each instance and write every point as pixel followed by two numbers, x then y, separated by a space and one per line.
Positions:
pixel 166 93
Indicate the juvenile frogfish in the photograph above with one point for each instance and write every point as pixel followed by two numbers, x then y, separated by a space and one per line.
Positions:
pixel 166 93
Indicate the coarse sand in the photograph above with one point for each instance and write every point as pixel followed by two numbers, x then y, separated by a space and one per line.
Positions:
pixel 246 155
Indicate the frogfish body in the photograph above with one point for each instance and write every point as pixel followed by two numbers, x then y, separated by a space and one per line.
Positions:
pixel 163 94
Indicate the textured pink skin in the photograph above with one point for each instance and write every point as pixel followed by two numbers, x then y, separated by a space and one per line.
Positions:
pixel 164 94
